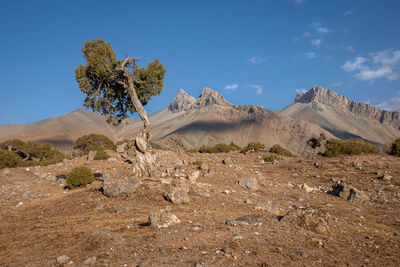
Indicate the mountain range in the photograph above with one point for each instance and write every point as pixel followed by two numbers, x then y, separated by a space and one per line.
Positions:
pixel 188 122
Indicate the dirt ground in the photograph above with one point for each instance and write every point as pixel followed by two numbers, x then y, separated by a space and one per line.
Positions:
pixel 221 226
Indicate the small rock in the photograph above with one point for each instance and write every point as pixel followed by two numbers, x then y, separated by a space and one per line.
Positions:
pixel 268 206
pixel 317 164
pixel 237 237
pixel 227 161
pixel 123 207
pixel 204 168
pixel 91 260
pixel 99 207
pixel 194 176
pixel 249 183
pixel 396 234
pixel 385 177
pixel 177 195
pixel 163 218
pixel 64 259
pixel 301 254
pixel 145 264
pixel 307 188
pixel 227 250
pixel 28 194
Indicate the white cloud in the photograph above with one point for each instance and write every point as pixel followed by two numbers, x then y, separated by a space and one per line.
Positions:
pixel 316 42
pixel 356 64
pixel 232 86
pixel 301 91
pixel 391 104
pixel 303 36
pixel 381 64
pixel 336 84
pixel 319 28
pixel 256 60
pixel 310 54
pixel 299 2
pixel 259 88
pixel 348 12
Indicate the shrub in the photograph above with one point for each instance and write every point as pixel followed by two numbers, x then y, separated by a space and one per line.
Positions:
pixel 93 142
pixel 197 162
pixel 234 146
pixel 277 149
pixel 31 154
pixel 315 142
pixel 253 146
pixel 102 154
pixel 193 150
pixel 79 176
pixel 272 158
pixel 207 149
pixel 9 159
pixel 335 147
pixel 394 148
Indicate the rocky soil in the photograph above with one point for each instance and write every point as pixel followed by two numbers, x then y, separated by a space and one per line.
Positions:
pixel 232 210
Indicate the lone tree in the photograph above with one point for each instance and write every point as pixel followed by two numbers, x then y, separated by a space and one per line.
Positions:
pixel 116 88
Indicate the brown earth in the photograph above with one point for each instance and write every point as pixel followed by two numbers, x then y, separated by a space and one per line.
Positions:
pixel 49 221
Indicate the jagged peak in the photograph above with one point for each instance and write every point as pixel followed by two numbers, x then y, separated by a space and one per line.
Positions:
pixel 209 97
pixel 182 101
pixel 320 94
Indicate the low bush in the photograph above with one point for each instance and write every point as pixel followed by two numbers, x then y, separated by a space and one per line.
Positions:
pixel 315 142
pixel 93 142
pixel 101 155
pixel 394 148
pixel 208 149
pixel 218 148
pixel 272 158
pixel 9 159
pixel 253 146
pixel 79 176
pixel 277 149
pixel 335 147
pixel 29 154
pixel 197 162
pixel 193 150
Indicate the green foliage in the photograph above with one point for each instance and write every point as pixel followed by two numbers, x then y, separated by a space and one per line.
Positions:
pixel 29 154
pixel 277 149
pixel 235 147
pixel 9 159
pixel 218 148
pixel 394 148
pixel 335 147
pixel 253 146
pixel 101 155
pixel 79 176
pixel 105 82
pixel 197 162
pixel 315 142
pixel 93 142
pixel 208 149
pixel 272 158
pixel 193 150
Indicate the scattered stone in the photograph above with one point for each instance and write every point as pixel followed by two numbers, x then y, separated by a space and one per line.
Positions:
pixel 204 167
pixel 301 254
pixel 308 218
pixel 123 207
pixel 145 264
pixel 307 188
pixel 194 176
pixel 349 193
pixel 124 183
pixel 28 194
pixel 177 195
pixel 180 168
pixel 99 207
pixel 237 237
pixel 91 260
pixel 227 250
pixel 163 218
pixel 247 201
pixel 64 259
pixel 249 183
pixel 235 222
pixel 396 234
pixel 122 147
pixel 267 206
pixel 385 177
pixel 317 164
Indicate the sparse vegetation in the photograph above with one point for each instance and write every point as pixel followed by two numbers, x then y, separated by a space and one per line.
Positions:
pixel 16 153
pixel 277 149
pixel 253 146
pixel 315 142
pixel 394 148
pixel 272 158
pixel 218 148
pixel 93 142
pixel 197 162
pixel 193 150
pixel 79 176
pixel 101 155
pixel 335 147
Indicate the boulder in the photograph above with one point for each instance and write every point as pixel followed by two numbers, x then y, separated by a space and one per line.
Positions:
pixel 123 183
pixel 177 195
pixel 249 183
pixel 349 192
pixel 163 218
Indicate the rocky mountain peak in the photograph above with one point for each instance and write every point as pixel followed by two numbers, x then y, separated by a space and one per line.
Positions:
pixel 209 97
pixel 182 101
pixel 321 95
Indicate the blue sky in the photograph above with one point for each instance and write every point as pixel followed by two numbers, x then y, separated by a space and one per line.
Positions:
pixel 251 51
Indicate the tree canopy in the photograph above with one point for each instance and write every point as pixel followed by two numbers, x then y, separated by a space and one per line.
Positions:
pixel 109 83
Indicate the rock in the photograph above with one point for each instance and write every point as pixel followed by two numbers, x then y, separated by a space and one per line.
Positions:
pixel 91 155
pixel 91 260
pixel 145 264
pixel 307 188
pixel 194 176
pixel 227 161
pixel 64 259
pixel 28 194
pixel 235 222
pixel 180 168
pixel 267 206
pixel 308 218
pixel 163 218
pixel 124 183
pixel 177 195
pixel 121 148
pixel 227 250
pixel 99 207
pixel 317 164
pixel 301 254
pixel 385 177
pixel 249 183
pixel 123 207
pixel 112 160
pixel 349 193
pixel 181 102
pixel 237 237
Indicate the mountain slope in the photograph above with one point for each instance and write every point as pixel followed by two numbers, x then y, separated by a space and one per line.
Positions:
pixel 343 117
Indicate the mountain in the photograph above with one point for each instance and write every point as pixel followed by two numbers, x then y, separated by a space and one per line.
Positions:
pixel 343 117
